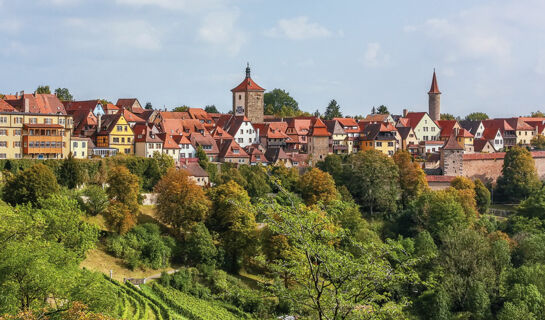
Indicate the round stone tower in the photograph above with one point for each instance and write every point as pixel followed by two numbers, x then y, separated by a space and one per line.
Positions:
pixel 434 99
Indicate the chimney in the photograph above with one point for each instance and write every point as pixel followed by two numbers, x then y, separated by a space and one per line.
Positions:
pixel 405 113
pixel 22 93
pixel 17 95
pixel 27 105
pixel 99 122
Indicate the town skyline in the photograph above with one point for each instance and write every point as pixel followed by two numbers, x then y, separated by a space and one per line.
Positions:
pixel 175 53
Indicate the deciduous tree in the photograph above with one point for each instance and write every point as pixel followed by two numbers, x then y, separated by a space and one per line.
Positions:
pixel 519 176
pixel 64 94
pixel 211 109
pixel 180 202
pixel 412 179
pixel 278 98
pixel 71 173
pixel 477 116
pixel 119 217
pixel 43 89
pixel 30 185
pixel 317 186
pixel 123 187
pixel 538 142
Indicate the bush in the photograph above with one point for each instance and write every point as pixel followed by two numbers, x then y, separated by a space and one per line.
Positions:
pixel 142 246
pixel 96 200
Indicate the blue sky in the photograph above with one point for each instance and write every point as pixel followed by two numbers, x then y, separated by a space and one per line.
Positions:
pixel 489 55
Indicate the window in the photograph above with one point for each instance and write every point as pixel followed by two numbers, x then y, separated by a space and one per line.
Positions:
pixel 47 120
pixel 3 144
pixel 75 144
pixel 390 144
pixel 18 156
pixel 18 119
pixel 2 156
pixel 116 140
pixel 379 144
pixel 17 132
pixel 240 140
pixel 425 129
pixel 235 151
pixel 241 131
pixel 62 121
pixel 119 128
pixel 241 160
pixel 17 143
pixel 127 150
pixel 126 128
pixel 3 119
pixel 432 129
pixel 128 139
pixel 3 132
pixel 33 120
pixel 157 146
pixel 83 144
pixel 239 97
pixel 123 140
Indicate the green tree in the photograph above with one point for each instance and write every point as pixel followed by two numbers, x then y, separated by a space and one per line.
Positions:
pixel 447 116
pixel 477 116
pixel 482 197
pixel 328 282
pixel 537 114
pixel 180 202
pixel 30 185
pixel 71 173
pixel 278 98
pixel 203 158
pixel 124 187
pixel 333 164
pixel 533 206
pixel 538 142
pixel 412 179
pixel 374 181
pixel 284 177
pixel 317 186
pixel 164 162
pixel 211 109
pixel 333 110
pixel 257 181
pixel 199 246
pixel 180 109
pixel 43 90
pixel 119 217
pixel 382 109
pixel 64 94
pixel 96 200
pixel 233 218
pixel 519 177
pixel 148 106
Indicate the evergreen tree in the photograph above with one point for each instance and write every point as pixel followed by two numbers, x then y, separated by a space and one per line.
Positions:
pixel 333 110
pixel 519 177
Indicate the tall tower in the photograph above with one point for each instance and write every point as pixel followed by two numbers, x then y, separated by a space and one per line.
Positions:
pixel 248 99
pixel 434 99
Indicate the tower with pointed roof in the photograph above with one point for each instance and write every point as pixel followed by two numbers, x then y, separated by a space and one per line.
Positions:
pixel 452 155
pixel 434 101
pixel 248 99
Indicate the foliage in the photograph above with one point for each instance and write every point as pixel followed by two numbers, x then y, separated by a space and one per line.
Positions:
pixel 143 246
pixel 477 116
pixel 482 197
pixel 317 186
pixel 199 246
pixel 538 142
pixel 180 201
pixel 148 106
pixel 164 162
pixel 329 282
pixel 71 173
pixel 447 116
pixel 43 89
pixel 537 114
pixel 257 181
pixel 203 158
pixel 519 176
pixel 30 185
pixel 64 94
pixel 123 187
pixel 230 173
pixel 211 109
pixel 180 109
pixel 333 110
pixel 96 200
pixel 233 218
pixel 412 179
pixel 119 217
pixel 382 109
pixel 333 164
pixel 373 181
pixel 285 177
pixel 279 102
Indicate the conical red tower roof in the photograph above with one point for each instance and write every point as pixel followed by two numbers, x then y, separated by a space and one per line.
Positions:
pixel 434 87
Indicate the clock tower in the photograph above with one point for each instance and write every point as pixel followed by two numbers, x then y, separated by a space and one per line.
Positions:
pixel 248 99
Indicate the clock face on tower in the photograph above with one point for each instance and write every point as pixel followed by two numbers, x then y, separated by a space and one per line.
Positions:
pixel 239 111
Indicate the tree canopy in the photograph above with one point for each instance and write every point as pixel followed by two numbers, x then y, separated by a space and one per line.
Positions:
pixel 279 101
pixel 519 176
pixel 64 94
pixel 211 109
pixel 333 110
pixel 477 116
pixel 43 89
pixel 30 185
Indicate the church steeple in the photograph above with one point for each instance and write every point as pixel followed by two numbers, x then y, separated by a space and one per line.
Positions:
pixel 247 70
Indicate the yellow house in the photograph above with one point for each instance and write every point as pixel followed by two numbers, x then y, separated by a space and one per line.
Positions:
pixel 338 142
pixel 465 139
pixel 115 135
pixel 379 136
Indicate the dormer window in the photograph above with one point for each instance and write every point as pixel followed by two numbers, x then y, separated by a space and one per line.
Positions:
pixel 235 151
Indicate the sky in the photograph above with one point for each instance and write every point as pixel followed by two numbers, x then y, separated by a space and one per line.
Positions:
pixel 489 55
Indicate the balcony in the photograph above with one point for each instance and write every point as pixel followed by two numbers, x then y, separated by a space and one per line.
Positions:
pixel 42 139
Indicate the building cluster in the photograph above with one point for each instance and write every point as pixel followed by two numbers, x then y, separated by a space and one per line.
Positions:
pixel 40 126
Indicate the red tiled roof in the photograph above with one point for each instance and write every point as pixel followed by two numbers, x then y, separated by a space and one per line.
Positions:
pixel 80 105
pixel 143 133
pixel 110 106
pixel 247 85
pixel 378 117
pixel 253 151
pixel 434 87
pixel 194 170
pixel 446 126
pixel 168 142
pixel 174 115
pixel 131 117
pixel 414 118
pixel 319 129
pixel 219 133
pixel 490 132
pixel 498 123
pixel 231 149
pixel 347 122
pixel 452 144
pixel 128 104
pixel 463 133
pixel 479 144
pixel 6 107
pixel 38 103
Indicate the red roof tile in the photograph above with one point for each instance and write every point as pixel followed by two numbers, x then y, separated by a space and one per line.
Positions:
pixel 452 144
pixel 319 129
pixel 434 87
pixel 247 85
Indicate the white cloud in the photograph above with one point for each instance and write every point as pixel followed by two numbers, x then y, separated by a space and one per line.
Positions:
pixel 127 34
pixel 219 29
pixel 298 28
pixel 374 57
